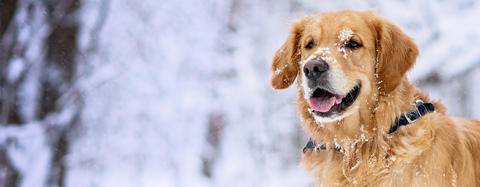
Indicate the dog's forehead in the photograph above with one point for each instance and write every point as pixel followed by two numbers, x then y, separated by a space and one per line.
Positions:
pixel 333 23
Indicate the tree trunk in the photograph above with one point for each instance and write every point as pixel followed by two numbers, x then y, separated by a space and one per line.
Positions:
pixel 56 64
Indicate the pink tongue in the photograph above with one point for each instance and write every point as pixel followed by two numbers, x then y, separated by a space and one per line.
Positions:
pixel 324 104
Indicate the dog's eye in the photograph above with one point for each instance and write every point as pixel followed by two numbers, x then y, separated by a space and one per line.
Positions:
pixel 352 44
pixel 309 45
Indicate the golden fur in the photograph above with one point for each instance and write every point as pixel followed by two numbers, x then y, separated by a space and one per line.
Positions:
pixel 436 150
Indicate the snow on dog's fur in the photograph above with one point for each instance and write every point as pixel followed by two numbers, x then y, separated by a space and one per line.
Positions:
pixel 436 150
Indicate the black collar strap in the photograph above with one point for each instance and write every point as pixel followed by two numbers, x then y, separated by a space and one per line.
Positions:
pixel 412 116
pixel 312 145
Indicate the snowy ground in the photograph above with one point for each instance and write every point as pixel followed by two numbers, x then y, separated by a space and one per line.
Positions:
pixel 177 92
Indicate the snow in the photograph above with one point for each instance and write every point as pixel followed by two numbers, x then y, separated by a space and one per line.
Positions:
pixel 280 69
pixel 322 53
pixel 344 37
pixel 15 69
pixel 29 152
pixel 158 94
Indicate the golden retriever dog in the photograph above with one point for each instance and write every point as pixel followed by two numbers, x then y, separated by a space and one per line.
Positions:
pixel 369 126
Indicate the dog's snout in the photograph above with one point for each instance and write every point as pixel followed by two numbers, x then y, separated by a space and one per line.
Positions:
pixel 315 68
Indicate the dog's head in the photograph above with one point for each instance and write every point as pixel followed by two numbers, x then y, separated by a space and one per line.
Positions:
pixel 342 60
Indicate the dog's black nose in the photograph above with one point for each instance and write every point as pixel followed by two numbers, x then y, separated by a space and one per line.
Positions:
pixel 315 68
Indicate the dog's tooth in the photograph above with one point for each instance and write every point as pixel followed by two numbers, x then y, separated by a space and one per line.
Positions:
pixel 338 99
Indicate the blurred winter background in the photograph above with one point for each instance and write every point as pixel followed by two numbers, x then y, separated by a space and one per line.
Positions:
pixel 176 93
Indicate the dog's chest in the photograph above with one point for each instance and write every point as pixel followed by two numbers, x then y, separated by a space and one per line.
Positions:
pixel 331 169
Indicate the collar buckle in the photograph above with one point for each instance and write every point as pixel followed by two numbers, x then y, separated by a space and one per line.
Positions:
pixel 413 115
pixel 410 120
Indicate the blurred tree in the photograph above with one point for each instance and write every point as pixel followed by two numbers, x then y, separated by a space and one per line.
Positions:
pixel 8 174
pixel 38 49
pixel 216 125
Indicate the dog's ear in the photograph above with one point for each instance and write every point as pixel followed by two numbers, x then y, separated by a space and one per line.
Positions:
pixel 285 66
pixel 396 53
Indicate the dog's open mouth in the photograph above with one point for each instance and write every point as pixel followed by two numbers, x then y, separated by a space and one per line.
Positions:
pixel 324 103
